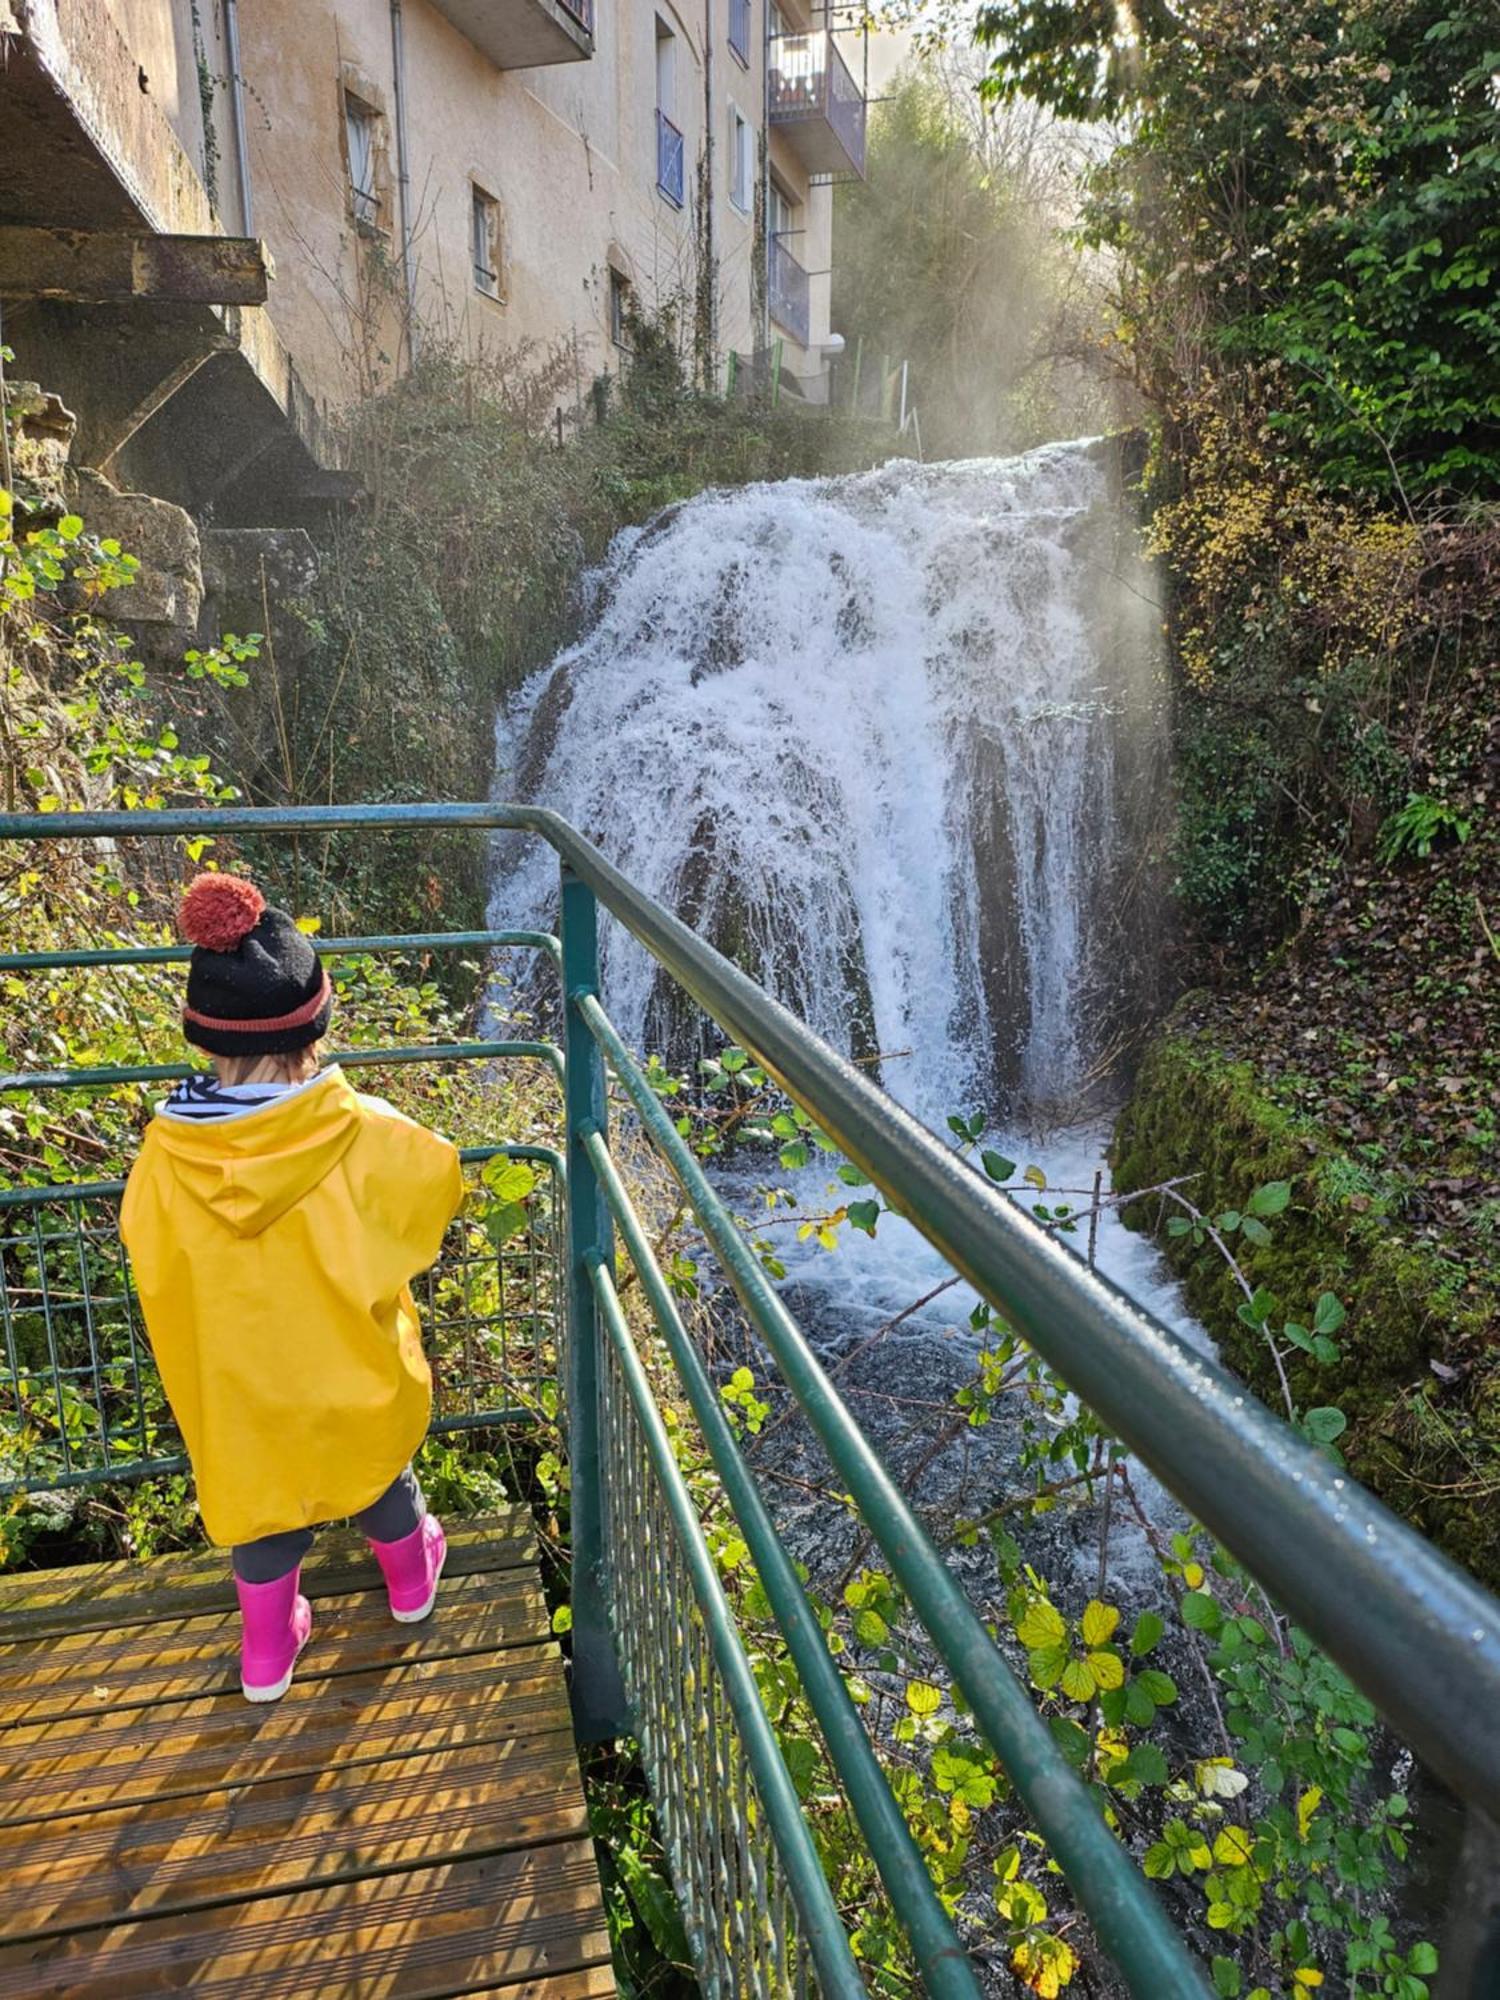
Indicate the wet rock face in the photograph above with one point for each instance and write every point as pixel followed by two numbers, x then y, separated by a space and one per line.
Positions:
pixel 163 604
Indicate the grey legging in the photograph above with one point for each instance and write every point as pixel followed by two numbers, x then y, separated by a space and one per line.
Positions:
pixel 389 1519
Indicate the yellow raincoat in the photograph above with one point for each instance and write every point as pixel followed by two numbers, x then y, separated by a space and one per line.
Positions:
pixel 273 1255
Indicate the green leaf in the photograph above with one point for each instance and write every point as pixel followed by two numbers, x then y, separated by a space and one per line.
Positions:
pixel 1148 1630
pixel 1255 1232
pixel 853 1176
pixel 1329 1314
pixel 1325 1424
pixel 1424 1958
pixel 1048 1664
pixel 864 1215
pixel 1200 1611
pixel 1161 1687
pixel 1271 1199
pixel 1074 1742
pixel 70 527
pixel 508 1180
pixel 1227 1981
pixel 1139 1708
pixel 1160 1862
pixel 997 1166
pixel 1145 1766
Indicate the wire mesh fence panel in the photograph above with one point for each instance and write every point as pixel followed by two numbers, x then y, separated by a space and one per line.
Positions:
pixel 735 1897
pixel 80 1398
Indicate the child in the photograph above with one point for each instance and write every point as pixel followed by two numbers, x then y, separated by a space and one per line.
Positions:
pixel 275 1219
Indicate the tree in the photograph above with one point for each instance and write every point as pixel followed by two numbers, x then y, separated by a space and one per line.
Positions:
pixel 1305 208
pixel 951 258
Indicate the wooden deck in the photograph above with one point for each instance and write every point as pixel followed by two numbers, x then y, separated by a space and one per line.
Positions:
pixel 407 1821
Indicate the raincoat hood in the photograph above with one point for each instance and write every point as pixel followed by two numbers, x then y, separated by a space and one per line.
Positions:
pixel 249 1171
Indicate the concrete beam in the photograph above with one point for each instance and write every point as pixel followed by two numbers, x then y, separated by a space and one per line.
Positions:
pixel 116 267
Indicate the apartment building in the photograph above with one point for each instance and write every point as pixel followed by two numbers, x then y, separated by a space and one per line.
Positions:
pixel 517 176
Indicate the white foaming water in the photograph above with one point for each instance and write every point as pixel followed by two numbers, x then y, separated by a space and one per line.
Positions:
pixel 876 737
pixel 887 740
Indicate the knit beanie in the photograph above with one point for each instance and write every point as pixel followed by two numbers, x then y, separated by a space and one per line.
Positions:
pixel 255 985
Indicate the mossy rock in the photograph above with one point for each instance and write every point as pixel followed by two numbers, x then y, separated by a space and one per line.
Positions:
pixel 1431 1452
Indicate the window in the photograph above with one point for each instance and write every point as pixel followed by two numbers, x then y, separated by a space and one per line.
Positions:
pixel 361 136
pixel 741 162
pixel 671 178
pixel 666 69
pixel 781 211
pixel 739 30
pixel 619 309
pixel 486 240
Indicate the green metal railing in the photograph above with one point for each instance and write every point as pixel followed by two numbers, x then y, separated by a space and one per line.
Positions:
pixel 656 1645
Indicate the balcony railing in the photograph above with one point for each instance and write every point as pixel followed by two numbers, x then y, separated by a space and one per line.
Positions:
pixel 813 98
pixel 787 284
pixel 739 30
pixel 582 12
pixel 669 159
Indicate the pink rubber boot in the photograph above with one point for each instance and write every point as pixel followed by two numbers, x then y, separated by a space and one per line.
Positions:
pixel 411 1568
pixel 277 1624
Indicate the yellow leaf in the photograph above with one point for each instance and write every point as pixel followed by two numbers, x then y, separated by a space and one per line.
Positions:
pixel 922 1698
pixel 1078 1681
pixel 1041 1625
pixel 309 926
pixel 1307 1977
pixel 1307 1805
pixel 1192 1576
pixel 1098 1622
pixel 1108 1671
pixel 1046 1965
pixel 1233 1847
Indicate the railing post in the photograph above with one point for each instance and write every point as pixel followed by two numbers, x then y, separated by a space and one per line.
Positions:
pixel 599 1706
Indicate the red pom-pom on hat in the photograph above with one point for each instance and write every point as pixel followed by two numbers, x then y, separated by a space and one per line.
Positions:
pixel 219 911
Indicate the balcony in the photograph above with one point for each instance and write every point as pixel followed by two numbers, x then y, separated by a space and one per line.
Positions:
pixel 669 159
pixel 525 34
pixel 816 103
pixel 788 288
pixel 739 30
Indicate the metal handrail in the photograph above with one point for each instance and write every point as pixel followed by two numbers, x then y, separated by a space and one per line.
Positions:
pixel 1404 1622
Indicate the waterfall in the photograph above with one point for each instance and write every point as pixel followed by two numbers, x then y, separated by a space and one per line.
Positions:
pixel 893 742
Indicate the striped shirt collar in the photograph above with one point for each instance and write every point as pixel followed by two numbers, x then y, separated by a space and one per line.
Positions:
pixel 201 1098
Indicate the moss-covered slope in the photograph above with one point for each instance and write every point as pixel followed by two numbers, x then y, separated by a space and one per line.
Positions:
pixel 1418 1375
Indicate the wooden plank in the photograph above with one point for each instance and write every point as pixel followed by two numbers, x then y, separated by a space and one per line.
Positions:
pixel 455 1928
pixel 32 1662
pixel 151 1678
pixel 221 1740
pixel 116 267
pixel 40 1603
pixel 87 1869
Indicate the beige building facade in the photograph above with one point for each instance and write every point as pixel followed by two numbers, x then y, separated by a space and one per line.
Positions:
pixel 521 178
pixel 511 174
